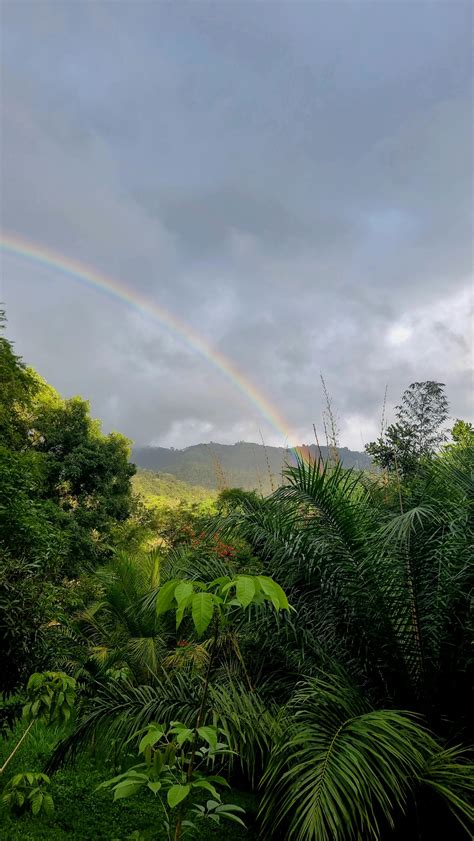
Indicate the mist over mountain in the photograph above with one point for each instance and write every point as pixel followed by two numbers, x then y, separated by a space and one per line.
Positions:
pixel 244 465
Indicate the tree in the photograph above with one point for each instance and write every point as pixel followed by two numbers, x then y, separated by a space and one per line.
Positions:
pixel 462 434
pixel 87 473
pixel 17 390
pixel 417 432
pixel 65 490
pixel 118 633
pixel 383 623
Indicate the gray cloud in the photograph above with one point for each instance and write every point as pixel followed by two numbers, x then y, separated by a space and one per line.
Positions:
pixel 294 182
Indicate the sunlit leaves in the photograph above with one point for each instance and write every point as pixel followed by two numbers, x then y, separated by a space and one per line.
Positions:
pixel 176 794
pixel 245 589
pixel 202 611
pixel 219 597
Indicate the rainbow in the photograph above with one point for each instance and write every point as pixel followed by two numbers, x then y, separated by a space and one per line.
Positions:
pixel 86 275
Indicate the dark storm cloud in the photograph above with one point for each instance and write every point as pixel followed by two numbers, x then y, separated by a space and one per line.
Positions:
pixel 292 180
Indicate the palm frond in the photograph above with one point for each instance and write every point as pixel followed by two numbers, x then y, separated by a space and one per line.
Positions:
pixel 341 770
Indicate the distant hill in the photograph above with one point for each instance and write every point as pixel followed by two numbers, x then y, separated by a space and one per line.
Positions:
pixel 164 489
pixel 242 465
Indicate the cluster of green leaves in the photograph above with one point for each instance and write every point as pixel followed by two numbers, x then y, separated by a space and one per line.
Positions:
pixel 51 698
pixel 417 432
pixel 167 754
pixel 27 791
pixel 202 600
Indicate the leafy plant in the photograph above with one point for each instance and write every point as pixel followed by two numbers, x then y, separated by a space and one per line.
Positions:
pixel 167 771
pixel 418 429
pixel 51 697
pixel 218 598
pixel 27 791
pixel 341 769
pixel 175 770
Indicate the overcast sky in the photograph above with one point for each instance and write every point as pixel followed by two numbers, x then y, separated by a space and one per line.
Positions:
pixel 293 180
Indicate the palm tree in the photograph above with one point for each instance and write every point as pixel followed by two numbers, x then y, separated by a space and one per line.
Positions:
pixel 116 636
pixel 380 578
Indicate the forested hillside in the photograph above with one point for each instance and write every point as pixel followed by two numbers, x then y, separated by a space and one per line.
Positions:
pixel 242 465
pixel 165 490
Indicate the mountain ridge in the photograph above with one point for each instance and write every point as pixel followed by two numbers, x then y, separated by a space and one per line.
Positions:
pixel 244 464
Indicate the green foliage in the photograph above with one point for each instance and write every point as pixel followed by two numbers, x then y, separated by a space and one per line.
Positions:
pixel 221 596
pixel 83 813
pixel 418 431
pixel 118 630
pixel 341 770
pixel 51 698
pixel 17 390
pixel 462 434
pixel 247 466
pixel 163 490
pixel 87 474
pixel 378 570
pixel 65 490
pixel 172 772
pixel 27 791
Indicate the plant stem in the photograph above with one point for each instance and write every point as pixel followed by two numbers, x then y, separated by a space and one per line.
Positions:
pixel 179 820
pixel 204 696
pixel 17 746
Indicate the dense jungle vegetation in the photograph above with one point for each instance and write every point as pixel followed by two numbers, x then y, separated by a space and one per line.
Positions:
pixel 294 666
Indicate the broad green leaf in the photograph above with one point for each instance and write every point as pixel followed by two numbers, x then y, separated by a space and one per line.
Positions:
pixel 182 607
pixel 274 592
pixel 36 801
pixel 150 739
pixel 176 794
pixel 154 787
pixel 245 589
pixel 209 734
pixel 230 807
pixel 220 582
pixel 231 817
pixel 208 786
pixel 126 789
pixel 35 680
pixel 135 776
pixel 202 610
pixel 215 778
pixel 165 596
pixel 184 736
pixel 48 804
pixel 183 591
